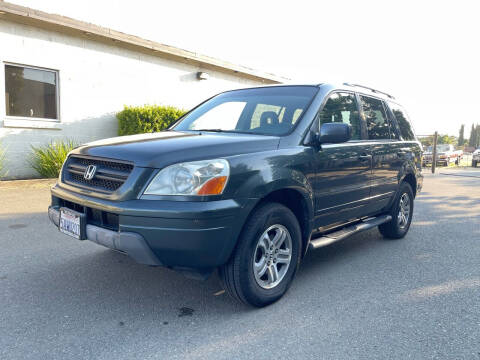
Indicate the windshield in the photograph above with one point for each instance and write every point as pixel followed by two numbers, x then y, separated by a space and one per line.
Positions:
pixel 443 147
pixel 440 147
pixel 267 111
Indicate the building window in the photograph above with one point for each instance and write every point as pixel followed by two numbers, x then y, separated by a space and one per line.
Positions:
pixel 31 92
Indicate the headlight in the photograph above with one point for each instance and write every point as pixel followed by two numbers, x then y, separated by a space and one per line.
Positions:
pixel 201 178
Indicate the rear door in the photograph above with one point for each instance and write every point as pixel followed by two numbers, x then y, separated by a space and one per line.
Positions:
pixel 384 142
pixel 342 181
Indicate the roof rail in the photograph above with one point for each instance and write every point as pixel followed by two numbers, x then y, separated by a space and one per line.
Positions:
pixel 371 89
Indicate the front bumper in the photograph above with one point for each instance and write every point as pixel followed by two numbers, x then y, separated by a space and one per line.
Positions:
pixel 177 234
pixel 428 161
pixel 132 244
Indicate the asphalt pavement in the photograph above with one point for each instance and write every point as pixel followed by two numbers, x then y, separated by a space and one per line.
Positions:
pixel 363 298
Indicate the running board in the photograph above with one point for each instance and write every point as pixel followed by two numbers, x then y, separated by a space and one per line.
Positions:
pixel 347 231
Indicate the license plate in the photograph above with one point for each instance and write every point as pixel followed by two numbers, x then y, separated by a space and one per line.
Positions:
pixel 72 223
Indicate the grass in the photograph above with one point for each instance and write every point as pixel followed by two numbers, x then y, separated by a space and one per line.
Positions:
pixel 47 160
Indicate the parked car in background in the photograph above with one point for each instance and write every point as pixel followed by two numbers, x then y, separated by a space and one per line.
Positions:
pixel 476 157
pixel 446 154
pixel 247 182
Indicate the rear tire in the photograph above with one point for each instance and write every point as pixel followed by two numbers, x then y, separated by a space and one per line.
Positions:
pixel 401 213
pixel 261 269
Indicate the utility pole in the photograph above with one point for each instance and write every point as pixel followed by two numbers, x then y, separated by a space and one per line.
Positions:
pixel 434 152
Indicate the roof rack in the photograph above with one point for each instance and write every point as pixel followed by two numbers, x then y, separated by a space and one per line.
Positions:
pixel 371 89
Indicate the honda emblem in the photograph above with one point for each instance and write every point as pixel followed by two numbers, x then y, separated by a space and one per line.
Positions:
pixel 90 172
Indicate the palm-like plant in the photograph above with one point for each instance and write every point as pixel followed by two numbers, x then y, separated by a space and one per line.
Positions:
pixel 47 160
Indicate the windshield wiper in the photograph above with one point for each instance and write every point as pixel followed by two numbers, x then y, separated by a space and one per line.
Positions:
pixel 212 130
pixel 233 132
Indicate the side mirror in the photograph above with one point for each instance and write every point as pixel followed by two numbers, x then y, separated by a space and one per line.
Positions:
pixel 334 133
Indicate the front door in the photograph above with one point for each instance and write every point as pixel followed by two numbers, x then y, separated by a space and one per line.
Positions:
pixel 343 171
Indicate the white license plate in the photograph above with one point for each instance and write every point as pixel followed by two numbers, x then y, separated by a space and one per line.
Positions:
pixel 70 223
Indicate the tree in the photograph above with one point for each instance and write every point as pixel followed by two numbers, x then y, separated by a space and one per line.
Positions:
pixel 446 139
pixel 461 135
pixel 441 139
pixel 426 141
pixel 477 133
pixel 473 136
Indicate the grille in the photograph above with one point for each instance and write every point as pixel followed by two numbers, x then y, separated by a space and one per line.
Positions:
pixel 109 174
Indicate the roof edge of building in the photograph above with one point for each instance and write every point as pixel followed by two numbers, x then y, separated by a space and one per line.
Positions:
pixel 75 27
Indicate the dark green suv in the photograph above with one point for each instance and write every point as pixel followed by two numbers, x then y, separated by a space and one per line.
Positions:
pixel 247 182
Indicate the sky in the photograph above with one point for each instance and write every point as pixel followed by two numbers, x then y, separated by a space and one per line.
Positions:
pixel 425 53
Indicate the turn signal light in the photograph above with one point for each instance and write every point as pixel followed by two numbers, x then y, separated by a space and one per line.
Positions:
pixel 213 187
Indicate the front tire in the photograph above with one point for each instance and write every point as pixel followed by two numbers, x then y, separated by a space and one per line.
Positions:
pixel 266 258
pixel 401 212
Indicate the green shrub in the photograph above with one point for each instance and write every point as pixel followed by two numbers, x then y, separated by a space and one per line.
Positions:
pixel 3 170
pixel 146 119
pixel 48 159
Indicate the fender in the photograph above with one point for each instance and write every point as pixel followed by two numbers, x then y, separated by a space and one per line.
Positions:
pixel 271 171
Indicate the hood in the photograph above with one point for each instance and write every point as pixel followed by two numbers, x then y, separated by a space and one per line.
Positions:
pixel 160 149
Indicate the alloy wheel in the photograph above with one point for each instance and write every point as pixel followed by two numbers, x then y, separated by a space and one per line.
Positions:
pixel 403 211
pixel 272 256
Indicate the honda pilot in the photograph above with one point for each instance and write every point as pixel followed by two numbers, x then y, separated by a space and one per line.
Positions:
pixel 247 182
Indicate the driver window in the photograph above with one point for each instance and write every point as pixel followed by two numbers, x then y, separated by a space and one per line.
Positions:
pixel 342 107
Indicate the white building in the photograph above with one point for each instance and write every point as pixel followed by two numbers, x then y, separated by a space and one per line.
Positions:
pixel 63 78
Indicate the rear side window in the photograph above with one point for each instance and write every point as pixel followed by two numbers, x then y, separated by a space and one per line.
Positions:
pixel 342 107
pixel 402 120
pixel 376 118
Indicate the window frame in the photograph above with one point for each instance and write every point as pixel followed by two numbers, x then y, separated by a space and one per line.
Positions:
pixel 14 118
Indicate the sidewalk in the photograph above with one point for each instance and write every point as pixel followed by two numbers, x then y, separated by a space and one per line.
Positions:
pixel 27 184
pixel 460 171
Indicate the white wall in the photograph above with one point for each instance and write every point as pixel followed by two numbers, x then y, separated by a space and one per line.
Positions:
pixel 95 80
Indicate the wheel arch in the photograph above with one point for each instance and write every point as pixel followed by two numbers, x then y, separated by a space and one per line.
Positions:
pixel 299 202
pixel 412 180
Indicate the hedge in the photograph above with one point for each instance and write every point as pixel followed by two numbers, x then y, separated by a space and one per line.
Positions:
pixel 146 119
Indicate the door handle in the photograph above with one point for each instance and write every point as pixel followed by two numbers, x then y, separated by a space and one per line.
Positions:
pixel 365 157
pixel 401 153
